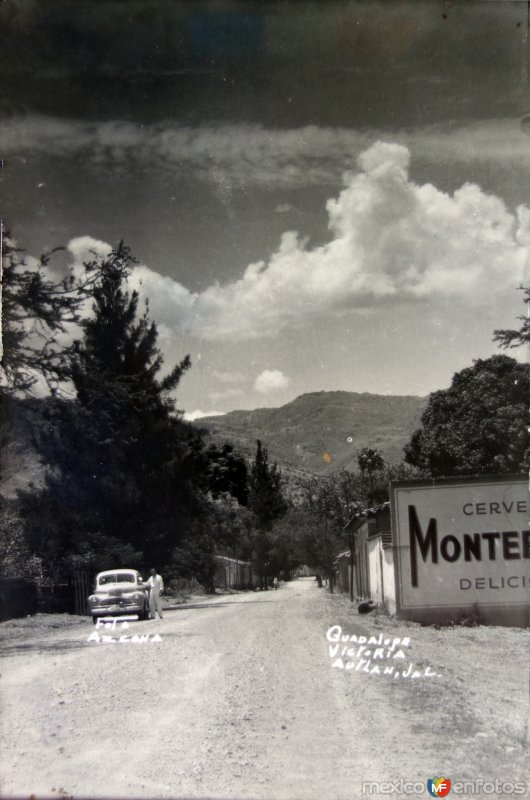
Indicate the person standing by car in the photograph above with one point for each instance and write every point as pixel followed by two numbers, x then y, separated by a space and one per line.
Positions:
pixel 156 587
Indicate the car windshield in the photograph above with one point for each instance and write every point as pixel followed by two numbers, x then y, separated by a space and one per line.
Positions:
pixel 117 577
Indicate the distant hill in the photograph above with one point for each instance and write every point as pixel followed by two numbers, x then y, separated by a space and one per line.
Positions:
pixel 296 434
pixel 336 423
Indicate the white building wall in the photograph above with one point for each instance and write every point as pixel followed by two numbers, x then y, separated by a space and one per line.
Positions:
pixel 389 580
pixel 381 566
pixel 374 565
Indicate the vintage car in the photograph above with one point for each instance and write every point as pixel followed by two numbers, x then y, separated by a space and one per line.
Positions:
pixel 119 591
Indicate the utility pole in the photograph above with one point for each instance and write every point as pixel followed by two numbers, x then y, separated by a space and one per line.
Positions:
pixel 352 526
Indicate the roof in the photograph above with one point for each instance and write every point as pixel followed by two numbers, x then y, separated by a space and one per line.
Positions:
pixel 232 560
pixel 363 515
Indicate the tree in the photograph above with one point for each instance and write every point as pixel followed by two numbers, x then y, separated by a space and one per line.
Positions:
pixel 15 557
pixel 266 501
pixel 335 501
pixel 323 540
pixel 227 473
pixel 126 472
pixel 370 460
pixel 35 310
pixel 478 425
pixel 298 539
pixel 513 338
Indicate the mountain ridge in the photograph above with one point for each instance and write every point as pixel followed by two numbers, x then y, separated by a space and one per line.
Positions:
pixel 297 435
pixel 321 432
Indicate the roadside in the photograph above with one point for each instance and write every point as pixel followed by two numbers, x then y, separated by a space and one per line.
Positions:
pixel 240 699
pixel 471 721
pixel 27 629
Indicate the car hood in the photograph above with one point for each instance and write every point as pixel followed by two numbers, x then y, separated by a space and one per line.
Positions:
pixel 114 590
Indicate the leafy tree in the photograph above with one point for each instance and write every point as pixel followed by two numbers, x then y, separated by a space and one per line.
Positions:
pixel 15 556
pixel 370 461
pixel 322 539
pixel 334 501
pixel 227 473
pixel 516 338
pixel 332 504
pixel 193 555
pixel 298 539
pixel 125 470
pixel 478 425
pixel 230 526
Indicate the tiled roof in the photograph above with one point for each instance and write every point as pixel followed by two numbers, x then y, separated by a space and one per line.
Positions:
pixel 368 512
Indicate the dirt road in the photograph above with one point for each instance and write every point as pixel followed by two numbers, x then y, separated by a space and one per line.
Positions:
pixel 243 697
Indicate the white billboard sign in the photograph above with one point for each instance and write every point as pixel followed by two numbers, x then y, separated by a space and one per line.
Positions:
pixel 461 543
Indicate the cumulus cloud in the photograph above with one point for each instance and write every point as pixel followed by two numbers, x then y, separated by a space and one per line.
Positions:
pixel 82 249
pixel 171 303
pixel 391 240
pixel 86 248
pixel 270 381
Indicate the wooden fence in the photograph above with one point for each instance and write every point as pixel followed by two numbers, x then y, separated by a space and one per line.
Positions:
pixel 82 589
pixel 232 573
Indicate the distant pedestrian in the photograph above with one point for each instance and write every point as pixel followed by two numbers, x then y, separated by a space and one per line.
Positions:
pixel 156 587
pixel 275 583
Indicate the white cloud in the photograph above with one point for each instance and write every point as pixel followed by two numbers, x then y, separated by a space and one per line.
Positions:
pixel 85 248
pixel 198 414
pixel 233 155
pixel 391 240
pixel 270 381
pixel 82 249
pixel 170 302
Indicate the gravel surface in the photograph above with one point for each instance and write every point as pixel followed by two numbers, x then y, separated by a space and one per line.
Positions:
pixel 240 699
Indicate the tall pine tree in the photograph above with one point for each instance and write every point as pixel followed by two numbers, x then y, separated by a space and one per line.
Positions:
pixel 126 473
pixel 266 501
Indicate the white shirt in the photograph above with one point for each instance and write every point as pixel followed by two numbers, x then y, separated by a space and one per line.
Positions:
pixel 156 583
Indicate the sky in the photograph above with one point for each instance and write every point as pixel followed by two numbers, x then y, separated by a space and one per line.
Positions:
pixel 319 196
